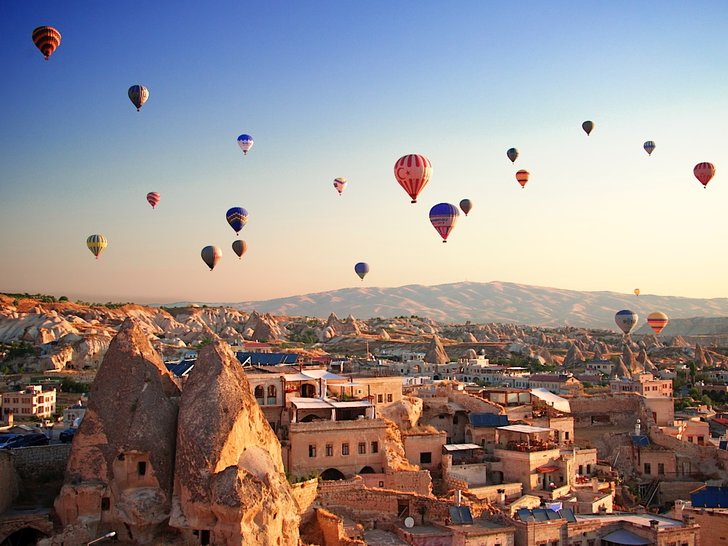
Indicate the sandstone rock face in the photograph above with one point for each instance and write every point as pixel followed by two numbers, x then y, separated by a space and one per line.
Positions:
pixel 229 478
pixel 573 357
pixel 436 352
pixel 121 466
pixel 621 370
pixel 262 327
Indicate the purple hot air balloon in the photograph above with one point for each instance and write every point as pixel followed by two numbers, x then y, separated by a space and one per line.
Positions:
pixel 443 217
pixel 361 269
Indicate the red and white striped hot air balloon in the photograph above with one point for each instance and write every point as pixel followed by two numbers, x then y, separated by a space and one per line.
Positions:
pixel 46 39
pixel 153 198
pixel 413 172
pixel 704 172
pixel 657 321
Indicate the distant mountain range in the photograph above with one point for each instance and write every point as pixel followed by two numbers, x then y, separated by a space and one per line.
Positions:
pixel 489 302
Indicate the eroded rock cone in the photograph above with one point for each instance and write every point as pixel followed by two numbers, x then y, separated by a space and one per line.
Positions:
pixel 121 466
pixel 229 476
pixel 436 352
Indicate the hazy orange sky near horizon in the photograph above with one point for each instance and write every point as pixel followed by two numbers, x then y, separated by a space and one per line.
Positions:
pixel 329 90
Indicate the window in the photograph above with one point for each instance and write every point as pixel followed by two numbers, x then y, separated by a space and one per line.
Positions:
pixel 425 457
pixel 344 449
pixel 661 469
pixel 566 435
pixel 362 448
pixel 311 450
pixel 455 420
pixel 272 391
pixel 259 391
pixel 375 447
pixel 141 468
pixel 588 469
pixel 648 468
pixel 581 469
pixel 380 398
pixel 105 503
pixel 329 450
pixel 389 397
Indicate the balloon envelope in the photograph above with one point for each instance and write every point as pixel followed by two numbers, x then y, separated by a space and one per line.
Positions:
pixel 413 172
pixel 340 184
pixel 246 143
pixel 46 39
pixel 466 205
pixel 512 154
pixel 649 147
pixel 657 321
pixel 138 95
pixel 96 244
pixel 153 198
pixel 522 177
pixel 588 127
pixel 704 172
pixel 444 216
pixel 237 217
pixel 211 255
pixel 239 247
pixel 636 291
pixel 626 320
pixel 361 269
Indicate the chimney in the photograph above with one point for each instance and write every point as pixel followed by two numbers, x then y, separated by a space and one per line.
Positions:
pixel 653 524
pixel 458 497
pixel 688 518
pixel 501 496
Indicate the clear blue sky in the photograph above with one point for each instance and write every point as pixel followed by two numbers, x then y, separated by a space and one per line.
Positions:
pixel 332 89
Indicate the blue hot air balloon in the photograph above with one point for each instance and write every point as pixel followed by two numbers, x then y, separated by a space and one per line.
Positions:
pixel 443 217
pixel 245 142
pixel 237 217
pixel 361 269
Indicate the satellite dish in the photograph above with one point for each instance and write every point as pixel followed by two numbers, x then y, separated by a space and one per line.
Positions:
pixel 409 522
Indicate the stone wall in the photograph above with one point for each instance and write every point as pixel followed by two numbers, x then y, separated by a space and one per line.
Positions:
pixel 304 495
pixel 332 530
pixel 37 462
pixel 706 460
pixel 8 479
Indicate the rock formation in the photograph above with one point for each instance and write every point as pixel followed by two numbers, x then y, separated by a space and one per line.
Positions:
pixel 573 357
pixel 229 479
pixel 120 469
pixel 262 327
pixel 436 352
pixel 621 369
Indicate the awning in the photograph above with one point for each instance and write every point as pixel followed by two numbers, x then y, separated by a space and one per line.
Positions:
pixel 323 374
pixel 558 403
pixel 309 403
pixel 525 429
pixel 351 404
pixel 296 377
pixel 547 469
pixel 625 537
pixel 461 447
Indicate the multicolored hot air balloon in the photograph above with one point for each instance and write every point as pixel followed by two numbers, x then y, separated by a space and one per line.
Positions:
pixel 413 172
pixel 239 247
pixel 138 95
pixel 704 172
pixel 466 205
pixel 626 320
pixel 636 291
pixel 361 269
pixel 512 154
pixel 246 143
pixel 340 184
pixel 96 244
pixel 649 147
pixel 657 321
pixel 46 39
pixel 522 177
pixel 588 127
pixel 444 216
pixel 153 198
pixel 211 255
pixel 237 217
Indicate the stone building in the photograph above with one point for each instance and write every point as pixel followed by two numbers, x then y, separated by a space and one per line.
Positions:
pixel 33 401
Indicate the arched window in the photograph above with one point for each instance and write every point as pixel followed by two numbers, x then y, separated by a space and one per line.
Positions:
pixel 272 393
pixel 259 391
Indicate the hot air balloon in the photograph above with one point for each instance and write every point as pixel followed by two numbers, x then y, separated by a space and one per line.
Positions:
pixel 704 172
pixel 246 143
pixel 588 127
pixel 657 321
pixel 522 177
pixel 138 95
pixel 649 147
pixel 413 172
pixel 444 216
pixel 636 291
pixel 239 247
pixel 340 184
pixel 153 198
pixel 46 39
pixel 96 244
pixel 237 217
pixel 211 255
pixel 626 320
pixel 512 154
pixel 361 269
pixel 466 205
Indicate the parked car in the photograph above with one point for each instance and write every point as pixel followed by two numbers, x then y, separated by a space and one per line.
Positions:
pixel 27 440
pixel 67 435
pixel 7 438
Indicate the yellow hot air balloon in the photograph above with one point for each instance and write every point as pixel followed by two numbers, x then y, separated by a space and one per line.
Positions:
pixel 657 321
pixel 96 244
pixel 636 291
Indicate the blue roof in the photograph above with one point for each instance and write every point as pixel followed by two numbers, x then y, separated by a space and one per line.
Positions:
pixel 182 368
pixel 641 440
pixel 488 420
pixel 710 497
pixel 267 359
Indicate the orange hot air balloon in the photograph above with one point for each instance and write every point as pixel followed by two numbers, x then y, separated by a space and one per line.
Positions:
pixel 413 172
pixel 522 177
pixel 636 291
pixel 657 321
pixel 46 39
pixel 704 172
